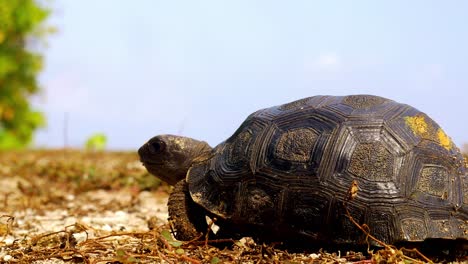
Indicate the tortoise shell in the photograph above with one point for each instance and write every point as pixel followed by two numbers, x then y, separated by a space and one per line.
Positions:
pixel 292 166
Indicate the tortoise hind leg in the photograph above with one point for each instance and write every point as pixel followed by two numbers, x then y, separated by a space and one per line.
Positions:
pixel 185 216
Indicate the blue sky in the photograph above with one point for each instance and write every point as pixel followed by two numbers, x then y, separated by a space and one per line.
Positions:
pixel 134 69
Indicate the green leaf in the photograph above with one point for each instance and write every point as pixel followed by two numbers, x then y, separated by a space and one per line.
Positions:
pixel 120 253
pixel 176 243
pixel 167 235
pixel 179 251
pixel 215 260
pixel 132 260
pixel 96 142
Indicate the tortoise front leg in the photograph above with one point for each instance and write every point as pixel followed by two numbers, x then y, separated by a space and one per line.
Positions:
pixel 185 216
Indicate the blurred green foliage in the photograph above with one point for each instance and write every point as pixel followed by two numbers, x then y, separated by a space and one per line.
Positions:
pixel 21 29
pixel 96 142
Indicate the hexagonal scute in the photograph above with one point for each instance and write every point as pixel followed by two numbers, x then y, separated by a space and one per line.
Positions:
pixel 372 161
pixel 293 145
pixel 308 102
pixel 237 151
pixel 296 145
pixel 372 153
pixel 381 222
pixel 414 229
pixel 363 101
pixel 434 180
pixel 295 104
pixel 363 105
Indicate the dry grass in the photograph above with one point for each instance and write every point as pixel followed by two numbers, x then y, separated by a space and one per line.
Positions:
pixel 94 207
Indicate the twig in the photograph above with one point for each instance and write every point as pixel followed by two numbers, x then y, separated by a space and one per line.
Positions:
pixel 415 250
pixel 351 194
pixel 189 259
pixel 166 243
pixel 208 230
pixel 195 239
pixel 213 241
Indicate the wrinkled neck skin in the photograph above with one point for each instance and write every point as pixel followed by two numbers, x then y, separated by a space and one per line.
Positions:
pixel 172 163
pixel 176 171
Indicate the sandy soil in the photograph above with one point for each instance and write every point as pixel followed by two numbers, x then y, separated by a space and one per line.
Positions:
pixel 99 212
pixel 77 207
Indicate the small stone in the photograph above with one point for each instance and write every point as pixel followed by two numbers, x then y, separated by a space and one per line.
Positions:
pixel 9 241
pixel 246 242
pixel 80 237
pixel 121 215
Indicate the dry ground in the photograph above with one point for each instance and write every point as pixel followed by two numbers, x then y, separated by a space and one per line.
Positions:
pixel 67 206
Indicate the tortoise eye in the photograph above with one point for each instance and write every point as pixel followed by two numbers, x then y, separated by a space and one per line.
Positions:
pixel 156 146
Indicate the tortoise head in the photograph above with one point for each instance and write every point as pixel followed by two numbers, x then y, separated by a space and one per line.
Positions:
pixel 169 157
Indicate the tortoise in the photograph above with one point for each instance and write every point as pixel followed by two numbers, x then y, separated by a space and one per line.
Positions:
pixel 287 171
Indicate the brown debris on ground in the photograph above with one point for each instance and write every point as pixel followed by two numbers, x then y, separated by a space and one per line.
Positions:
pixel 66 206
pixel 389 253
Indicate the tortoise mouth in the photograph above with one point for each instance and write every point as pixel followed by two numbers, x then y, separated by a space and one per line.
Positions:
pixel 159 171
pixel 152 166
pixel 150 162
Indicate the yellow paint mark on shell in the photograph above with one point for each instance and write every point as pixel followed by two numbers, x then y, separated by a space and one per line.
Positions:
pixel 444 140
pixel 427 129
pixel 417 124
